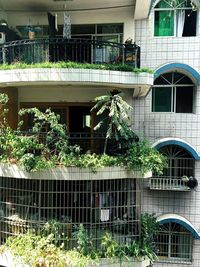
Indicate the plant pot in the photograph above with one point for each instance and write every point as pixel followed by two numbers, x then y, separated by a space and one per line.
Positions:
pixel 117 263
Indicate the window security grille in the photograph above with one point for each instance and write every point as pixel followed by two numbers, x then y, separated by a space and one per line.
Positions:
pixel 174 243
pixel 180 164
pixel 106 205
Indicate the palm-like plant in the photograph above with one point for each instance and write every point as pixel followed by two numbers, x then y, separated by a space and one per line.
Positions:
pixel 116 118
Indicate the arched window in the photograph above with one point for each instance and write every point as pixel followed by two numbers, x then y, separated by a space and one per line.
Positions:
pixel 174 243
pixel 173 92
pixel 175 18
pixel 180 162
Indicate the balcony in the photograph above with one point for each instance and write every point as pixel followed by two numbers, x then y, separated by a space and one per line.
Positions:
pixel 75 50
pixel 90 142
pixel 168 184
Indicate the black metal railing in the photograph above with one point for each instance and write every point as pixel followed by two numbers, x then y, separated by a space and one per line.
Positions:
pixel 89 142
pixel 75 50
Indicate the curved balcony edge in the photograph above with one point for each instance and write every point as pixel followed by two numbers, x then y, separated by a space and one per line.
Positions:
pixel 139 82
pixel 71 173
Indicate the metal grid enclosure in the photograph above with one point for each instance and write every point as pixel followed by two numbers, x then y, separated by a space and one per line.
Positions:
pixel 100 205
pixel 174 243
pixel 180 164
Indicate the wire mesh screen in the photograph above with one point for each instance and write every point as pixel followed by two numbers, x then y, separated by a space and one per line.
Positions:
pixel 100 205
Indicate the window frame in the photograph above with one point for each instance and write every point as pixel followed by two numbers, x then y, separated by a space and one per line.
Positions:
pixel 174 9
pixel 173 87
pixel 176 156
pixel 169 233
pixel 93 34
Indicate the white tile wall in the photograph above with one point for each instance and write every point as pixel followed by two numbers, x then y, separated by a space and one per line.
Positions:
pixel 155 52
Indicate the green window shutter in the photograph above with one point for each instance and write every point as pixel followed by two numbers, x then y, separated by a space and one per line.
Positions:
pixel 161 100
pixel 164 23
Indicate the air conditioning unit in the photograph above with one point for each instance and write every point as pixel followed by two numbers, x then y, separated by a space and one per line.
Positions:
pixel 2 37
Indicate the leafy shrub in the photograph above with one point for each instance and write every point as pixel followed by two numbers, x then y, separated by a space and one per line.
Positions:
pixel 84 242
pixel 141 156
pixel 35 151
pixel 75 65
pixel 109 247
pixel 44 249
pixel 38 250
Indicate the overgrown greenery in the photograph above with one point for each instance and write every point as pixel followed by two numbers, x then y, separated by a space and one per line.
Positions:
pixel 45 250
pixel 143 157
pixel 74 65
pixel 36 151
pixel 32 150
pixel 144 247
pixel 38 250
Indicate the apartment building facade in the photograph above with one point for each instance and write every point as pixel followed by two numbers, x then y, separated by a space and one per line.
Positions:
pixel 169 118
pixel 161 35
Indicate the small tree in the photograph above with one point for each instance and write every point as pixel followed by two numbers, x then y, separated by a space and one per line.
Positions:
pixel 32 150
pixel 116 116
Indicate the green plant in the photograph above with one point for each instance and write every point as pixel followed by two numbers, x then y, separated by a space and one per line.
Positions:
pixel 53 228
pixel 84 242
pixel 149 229
pixel 44 249
pixel 28 161
pixel 33 151
pixel 92 161
pixel 51 146
pixel 37 251
pixel 56 138
pixel 109 247
pixel 74 65
pixel 115 113
pixel 141 156
pixel 37 151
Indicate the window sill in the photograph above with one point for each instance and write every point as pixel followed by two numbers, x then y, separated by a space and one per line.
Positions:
pixel 175 36
pixel 174 261
pixel 170 112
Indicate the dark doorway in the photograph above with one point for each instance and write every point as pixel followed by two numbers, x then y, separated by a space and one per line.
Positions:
pixel 79 119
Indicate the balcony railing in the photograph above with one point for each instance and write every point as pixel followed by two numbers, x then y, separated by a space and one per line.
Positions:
pixel 75 50
pixel 89 142
pixel 166 183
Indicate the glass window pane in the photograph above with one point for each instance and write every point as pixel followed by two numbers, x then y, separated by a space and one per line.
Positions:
pixel 163 4
pixel 180 78
pixel 164 79
pixel 83 29
pixel 109 28
pixel 190 24
pixel 108 38
pixel 184 99
pixel 164 23
pixel 106 53
pixel 161 101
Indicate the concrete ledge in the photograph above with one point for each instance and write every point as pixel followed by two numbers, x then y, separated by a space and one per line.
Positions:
pixel 139 82
pixel 116 263
pixel 71 173
pixel 7 260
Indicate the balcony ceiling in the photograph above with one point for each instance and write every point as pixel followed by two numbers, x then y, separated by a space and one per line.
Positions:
pixel 58 5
